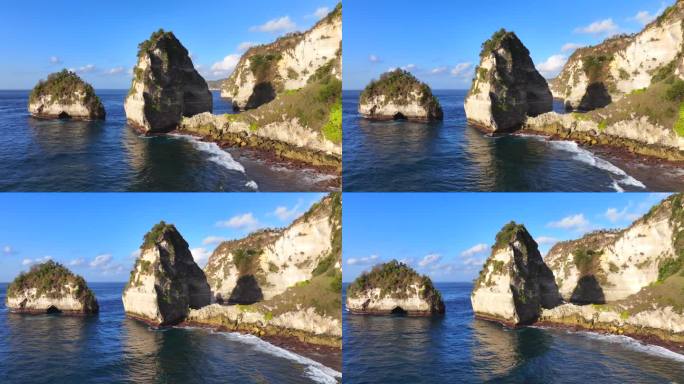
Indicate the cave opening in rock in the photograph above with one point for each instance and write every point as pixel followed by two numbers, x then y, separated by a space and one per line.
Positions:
pixel 399 311
pixel 399 116
pixel 64 115
pixel 52 309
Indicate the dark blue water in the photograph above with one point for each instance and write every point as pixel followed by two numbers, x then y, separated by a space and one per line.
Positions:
pixel 109 348
pixel 56 155
pixel 457 348
pixel 453 156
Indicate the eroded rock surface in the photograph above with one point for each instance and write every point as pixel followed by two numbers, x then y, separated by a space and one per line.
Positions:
pixel 399 95
pixel 394 288
pixel 50 288
pixel 64 95
pixel 507 87
pixel 165 282
pixel 166 87
pixel 515 283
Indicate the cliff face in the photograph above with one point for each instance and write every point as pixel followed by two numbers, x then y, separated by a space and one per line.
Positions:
pixel 165 282
pixel 399 95
pixel 515 283
pixel 595 76
pixel 394 288
pixel 165 87
pixel 286 64
pixel 507 87
pixel 636 277
pixel 281 282
pixel 65 95
pixel 50 288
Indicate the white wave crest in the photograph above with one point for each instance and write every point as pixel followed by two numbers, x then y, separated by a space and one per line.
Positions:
pixel 581 154
pixel 314 370
pixel 635 345
pixel 217 155
pixel 252 184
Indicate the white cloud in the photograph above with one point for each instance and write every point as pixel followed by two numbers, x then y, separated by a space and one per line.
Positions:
pixel 320 12
pixel 115 71
pixel 439 70
pixel 362 260
pixel 101 261
pixel 225 66
pixel 282 24
pixel 573 222
pixel 244 221
pixel 545 240
pixel 135 254
pixel 570 47
pixel 643 17
pixel 408 67
pixel 245 45
pixel 213 240
pixel 429 259
pixel 8 250
pixel 475 250
pixel 614 215
pixel 552 65
pixel 602 27
pixel 85 69
pixel 373 59
pixel 201 255
pixel 40 260
pixel 462 70
pixel 76 262
pixel 285 214
pixel 55 60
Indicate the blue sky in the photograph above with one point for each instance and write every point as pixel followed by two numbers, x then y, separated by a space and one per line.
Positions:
pixel 439 41
pixel 96 234
pixel 448 236
pixel 99 39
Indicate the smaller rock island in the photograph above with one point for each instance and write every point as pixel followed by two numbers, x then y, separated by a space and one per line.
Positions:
pixel 64 95
pixel 399 95
pixel 165 282
pixel 50 288
pixel 394 288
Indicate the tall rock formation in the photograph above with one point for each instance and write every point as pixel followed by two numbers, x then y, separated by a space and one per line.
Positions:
pixel 399 95
pixel 596 76
pixel 166 87
pixel 286 64
pixel 507 87
pixel 64 95
pixel 394 288
pixel 515 283
pixel 50 288
pixel 165 282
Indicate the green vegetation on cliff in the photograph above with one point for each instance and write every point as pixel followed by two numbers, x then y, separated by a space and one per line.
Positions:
pixel 397 87
pixel 153 234
pixel 63 87
pixel 49 279
pixel 394 279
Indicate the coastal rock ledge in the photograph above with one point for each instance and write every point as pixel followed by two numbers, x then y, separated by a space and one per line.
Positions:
pixel 398 95
pixel 50 288
pixel 165 282
pixel 507 87
pixel 515 283
pixel 394 288
pixel 165 87
pixel 64 95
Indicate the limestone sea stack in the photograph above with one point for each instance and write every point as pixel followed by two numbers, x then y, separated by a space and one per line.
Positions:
pixel 515 283
pixel 50 288
pixel 394 288
pixel 288 64
pixel 165 87
pixel 165 282
pixel 399 95
pixel 507 87
pixel 64 95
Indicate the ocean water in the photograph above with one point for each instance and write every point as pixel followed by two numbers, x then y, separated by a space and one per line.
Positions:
pixel 453 156
pixel 457 348
pixel 109 348
pixel 56 155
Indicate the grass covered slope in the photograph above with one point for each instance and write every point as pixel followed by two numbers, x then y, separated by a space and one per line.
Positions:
pixel 67 88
